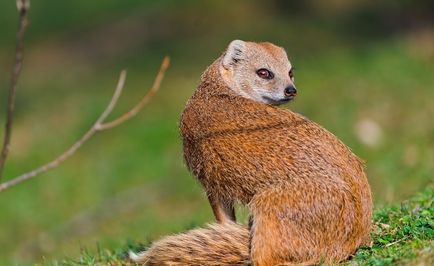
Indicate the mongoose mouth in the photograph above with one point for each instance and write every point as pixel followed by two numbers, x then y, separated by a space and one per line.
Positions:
pixel 278 102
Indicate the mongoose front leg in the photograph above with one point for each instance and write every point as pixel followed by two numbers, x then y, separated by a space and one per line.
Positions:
pixel 223 210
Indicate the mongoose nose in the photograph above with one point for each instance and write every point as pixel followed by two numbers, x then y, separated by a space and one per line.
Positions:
pixel 290 91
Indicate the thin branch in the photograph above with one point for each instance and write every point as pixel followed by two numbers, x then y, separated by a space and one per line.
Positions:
pixel 97 126
pixel 75 146
pixel 148 96
pixel 23 7
pixel 395 242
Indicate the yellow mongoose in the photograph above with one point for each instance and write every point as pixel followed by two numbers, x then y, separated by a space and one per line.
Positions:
pixel 307 193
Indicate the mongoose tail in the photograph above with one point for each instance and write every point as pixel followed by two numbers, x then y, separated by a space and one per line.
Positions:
pixel 217 244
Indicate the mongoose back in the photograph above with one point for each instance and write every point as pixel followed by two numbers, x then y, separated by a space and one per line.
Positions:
pixel 308 195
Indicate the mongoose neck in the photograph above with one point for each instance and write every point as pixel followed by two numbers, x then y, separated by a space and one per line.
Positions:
pixel 213 83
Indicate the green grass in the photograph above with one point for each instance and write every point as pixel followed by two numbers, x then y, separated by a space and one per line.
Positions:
pixel 402 235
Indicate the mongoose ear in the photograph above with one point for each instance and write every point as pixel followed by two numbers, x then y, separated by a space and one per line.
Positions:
pixel 234 53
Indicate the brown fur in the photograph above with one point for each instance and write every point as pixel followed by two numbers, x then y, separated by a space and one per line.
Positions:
pixel 218 244
pixel 308 195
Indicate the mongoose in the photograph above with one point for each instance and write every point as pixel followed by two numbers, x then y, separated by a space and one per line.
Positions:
pixel 308 194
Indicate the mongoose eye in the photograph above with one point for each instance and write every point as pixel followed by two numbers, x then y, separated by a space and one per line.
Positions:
pixel 265 73
pixel 291 73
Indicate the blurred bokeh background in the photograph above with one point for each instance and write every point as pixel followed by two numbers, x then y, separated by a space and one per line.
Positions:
pixel 364 70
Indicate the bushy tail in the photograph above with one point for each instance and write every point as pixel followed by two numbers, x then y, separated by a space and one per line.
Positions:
pixel 217 244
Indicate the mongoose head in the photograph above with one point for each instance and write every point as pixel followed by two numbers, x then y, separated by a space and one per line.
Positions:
pixel 258 71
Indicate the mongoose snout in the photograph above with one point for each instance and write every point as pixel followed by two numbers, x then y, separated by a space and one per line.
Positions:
pixel 290 91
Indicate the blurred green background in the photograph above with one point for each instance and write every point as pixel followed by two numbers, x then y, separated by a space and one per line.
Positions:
pixel 364 70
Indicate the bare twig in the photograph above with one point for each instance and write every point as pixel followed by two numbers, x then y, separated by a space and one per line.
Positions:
pixel 395 242
pixel 23 7
pixel 76 145
pixel 97 126
pixel 148 96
